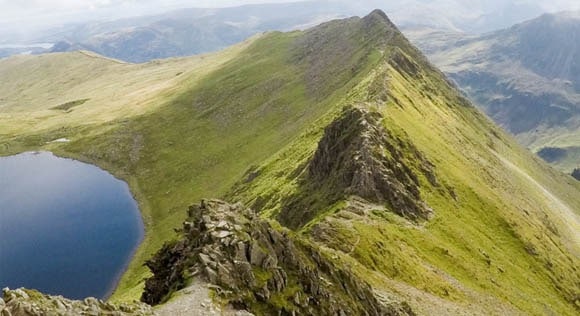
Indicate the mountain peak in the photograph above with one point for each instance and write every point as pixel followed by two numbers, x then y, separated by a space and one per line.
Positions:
pixel 379 14
pixel 379 17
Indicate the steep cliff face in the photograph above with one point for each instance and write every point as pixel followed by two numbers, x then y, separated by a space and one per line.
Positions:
pixel 258 267
pixel 31 303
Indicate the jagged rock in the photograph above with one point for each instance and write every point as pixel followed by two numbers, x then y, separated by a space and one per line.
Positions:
pixel 23 302
pixel 224 275
pixel 241 252
pixel 211 275
pixel 358 156
pixel 204 259
pixel 262 268
pixel 222 234
pixel 257 255
pixel 576 174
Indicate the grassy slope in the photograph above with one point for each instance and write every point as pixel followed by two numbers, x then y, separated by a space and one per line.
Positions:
pixel 477 250
pixel 268 103
pixel 33 87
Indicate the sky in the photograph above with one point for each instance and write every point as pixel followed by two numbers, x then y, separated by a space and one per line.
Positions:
pixel 17 9
pixel 25 17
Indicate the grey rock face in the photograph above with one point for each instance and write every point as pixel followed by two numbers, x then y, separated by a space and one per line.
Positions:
pixel 576 174
pixel 357 156
pixel 22 302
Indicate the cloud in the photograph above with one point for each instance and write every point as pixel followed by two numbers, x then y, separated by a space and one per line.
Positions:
pixel 59 4
pixel 560 5
pixel 22 19
pixel 11 11
pixel 68 5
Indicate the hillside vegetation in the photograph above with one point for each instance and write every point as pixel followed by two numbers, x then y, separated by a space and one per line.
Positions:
pixel 349 138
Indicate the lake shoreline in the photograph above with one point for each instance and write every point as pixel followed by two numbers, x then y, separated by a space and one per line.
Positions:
pixel 116 232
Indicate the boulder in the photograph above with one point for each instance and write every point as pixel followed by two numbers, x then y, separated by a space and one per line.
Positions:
pixel 576 174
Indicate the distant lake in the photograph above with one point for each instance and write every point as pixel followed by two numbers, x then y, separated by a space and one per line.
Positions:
pixel 66 227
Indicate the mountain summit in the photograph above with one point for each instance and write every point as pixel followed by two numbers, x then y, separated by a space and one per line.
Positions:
pixel 352 177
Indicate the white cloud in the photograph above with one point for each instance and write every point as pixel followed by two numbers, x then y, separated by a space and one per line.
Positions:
pixel 68 5
pixel 22 19
pixel 57 5
pixel 14 10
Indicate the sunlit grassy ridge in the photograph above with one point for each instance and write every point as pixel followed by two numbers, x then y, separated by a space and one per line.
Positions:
pixel 33 87
pixel 509 239
pixel 243 125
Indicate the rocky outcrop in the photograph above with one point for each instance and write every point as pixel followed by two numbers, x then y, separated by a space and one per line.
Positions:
pixel 358 156
pixel 576 174
pixel 23 302
pixel 257 267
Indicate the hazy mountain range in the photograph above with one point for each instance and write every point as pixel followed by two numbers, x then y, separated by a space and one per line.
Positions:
pixel 190 31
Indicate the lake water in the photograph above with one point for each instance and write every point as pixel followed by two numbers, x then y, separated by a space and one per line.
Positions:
pixel 66 227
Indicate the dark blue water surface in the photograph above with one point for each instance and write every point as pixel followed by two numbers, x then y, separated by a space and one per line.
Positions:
pixel 66 227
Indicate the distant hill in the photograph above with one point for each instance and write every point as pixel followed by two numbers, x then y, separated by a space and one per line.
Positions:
pixel 527 78
pixel 191 31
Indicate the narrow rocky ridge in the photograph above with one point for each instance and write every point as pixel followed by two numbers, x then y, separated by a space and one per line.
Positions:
pixel 358 156
pixel 257 267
